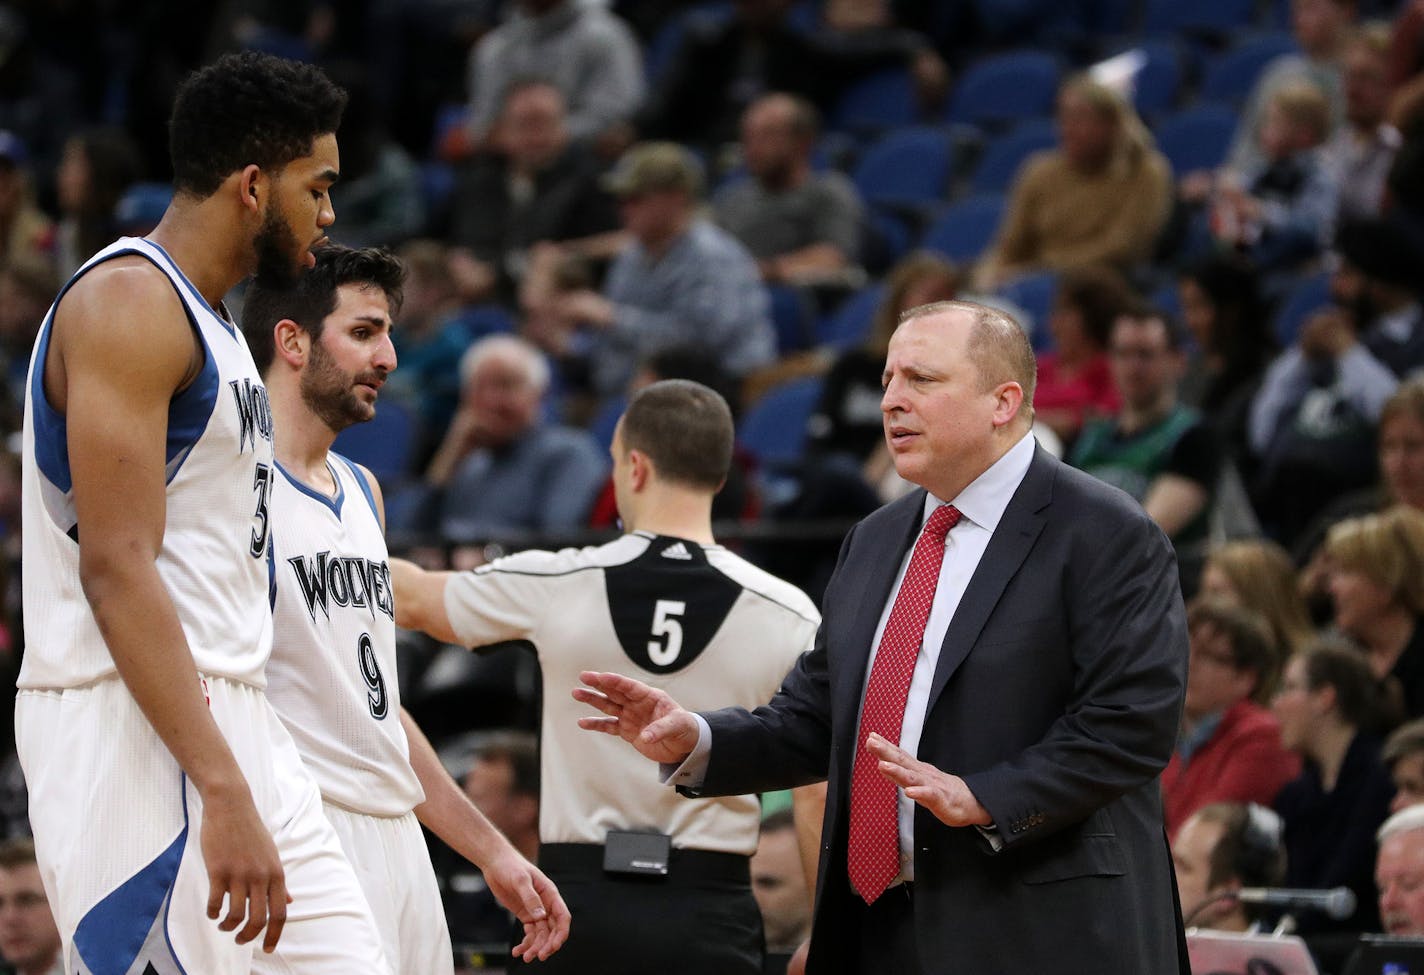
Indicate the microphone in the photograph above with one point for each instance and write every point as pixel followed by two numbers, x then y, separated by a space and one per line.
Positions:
pixel 1337 902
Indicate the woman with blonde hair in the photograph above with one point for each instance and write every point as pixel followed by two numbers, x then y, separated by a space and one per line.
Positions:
pixel 1101 197
pixel 1257 574
pixel 1376 583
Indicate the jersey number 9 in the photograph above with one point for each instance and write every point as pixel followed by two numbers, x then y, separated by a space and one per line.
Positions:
pixel 376 698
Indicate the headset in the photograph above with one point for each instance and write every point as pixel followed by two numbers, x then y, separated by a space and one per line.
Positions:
pixel 1258 854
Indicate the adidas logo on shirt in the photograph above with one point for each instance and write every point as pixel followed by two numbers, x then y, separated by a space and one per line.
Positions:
pixel 676 551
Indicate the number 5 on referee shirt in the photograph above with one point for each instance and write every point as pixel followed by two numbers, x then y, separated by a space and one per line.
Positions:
pixel 666 623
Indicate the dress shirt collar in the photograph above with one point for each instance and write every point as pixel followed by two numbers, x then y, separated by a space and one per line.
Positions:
pixel 983 501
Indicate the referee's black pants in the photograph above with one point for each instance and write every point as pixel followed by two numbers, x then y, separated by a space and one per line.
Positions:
pixel 701 919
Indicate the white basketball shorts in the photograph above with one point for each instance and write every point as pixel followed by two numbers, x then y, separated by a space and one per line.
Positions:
pixel 117 831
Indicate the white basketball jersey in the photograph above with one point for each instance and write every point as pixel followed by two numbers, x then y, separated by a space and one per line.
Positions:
pixel 332 676
pixel 214 558
pixel 696 621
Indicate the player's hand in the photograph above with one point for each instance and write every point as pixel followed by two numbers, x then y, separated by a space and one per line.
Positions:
pixel 532 897
pixel 243 866
pixel 643 716
pixel 943 794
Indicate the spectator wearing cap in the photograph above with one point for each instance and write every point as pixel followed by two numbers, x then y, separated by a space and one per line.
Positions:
pixel 1379 278
pixel 27 235
pixel 679 279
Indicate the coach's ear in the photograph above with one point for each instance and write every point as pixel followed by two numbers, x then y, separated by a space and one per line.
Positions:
pixel 291 343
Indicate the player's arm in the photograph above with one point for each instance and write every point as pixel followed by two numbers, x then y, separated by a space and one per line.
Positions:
pixel 121 347
pixel 419 597
pixel 518 884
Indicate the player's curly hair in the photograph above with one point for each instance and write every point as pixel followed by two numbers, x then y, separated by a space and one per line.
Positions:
pixel 247 109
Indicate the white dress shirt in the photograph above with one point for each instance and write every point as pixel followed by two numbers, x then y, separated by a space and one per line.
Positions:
pixel 981 505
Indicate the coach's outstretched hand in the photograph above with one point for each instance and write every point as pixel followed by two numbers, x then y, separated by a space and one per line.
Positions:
pixel 643 716
pixel 532 897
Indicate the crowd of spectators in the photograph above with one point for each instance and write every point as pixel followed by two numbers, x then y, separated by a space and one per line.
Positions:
pixel 589 193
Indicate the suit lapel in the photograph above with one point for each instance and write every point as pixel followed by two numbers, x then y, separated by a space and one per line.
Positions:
pixel 1014 537
pixel 879 563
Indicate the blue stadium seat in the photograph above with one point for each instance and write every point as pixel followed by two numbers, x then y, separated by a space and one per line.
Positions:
pixel 437 185
pixel 448 117
pixel 386 444
pixel 1306 296
pixel 792 316
pixel 905 167
pixel 485 319
pixel 1168 299
pixel 1002 156
pixel 141 207
pixel 1196 138
pixel 1034 294
pixel 1228 77
pixel 1197 16
pixel 774 427
pixel 1158 84
pixel 605 420
pixel 884 240
pixel 1004 88
pixel 965 228
pixel 663 46
pixel 879 101
pixel 849 324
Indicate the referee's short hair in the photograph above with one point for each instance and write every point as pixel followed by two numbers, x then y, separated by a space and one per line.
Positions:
pixel 685 429
pixel 16 853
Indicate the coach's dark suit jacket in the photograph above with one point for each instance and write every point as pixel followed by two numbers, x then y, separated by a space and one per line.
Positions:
pixel 1056 697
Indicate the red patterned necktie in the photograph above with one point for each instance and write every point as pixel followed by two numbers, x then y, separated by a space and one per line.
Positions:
pixel 874 855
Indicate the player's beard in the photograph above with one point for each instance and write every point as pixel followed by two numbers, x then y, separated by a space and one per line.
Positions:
pixel 278 266
pixel 329 393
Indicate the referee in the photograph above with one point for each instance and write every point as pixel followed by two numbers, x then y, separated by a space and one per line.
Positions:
pixel 655 882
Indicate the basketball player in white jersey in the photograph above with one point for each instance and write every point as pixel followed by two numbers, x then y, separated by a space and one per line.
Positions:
pixel 169 805
pixel 324 347
pixel 659 883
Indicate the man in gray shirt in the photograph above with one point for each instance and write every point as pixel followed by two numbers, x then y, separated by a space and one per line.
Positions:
pixel 800 225
pixel 587 52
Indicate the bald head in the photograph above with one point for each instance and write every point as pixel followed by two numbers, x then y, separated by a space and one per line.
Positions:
pixel 998 347
pixel 956 380
pixel 778 132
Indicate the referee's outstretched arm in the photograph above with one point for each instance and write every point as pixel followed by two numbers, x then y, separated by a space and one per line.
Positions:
pixel 419 597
